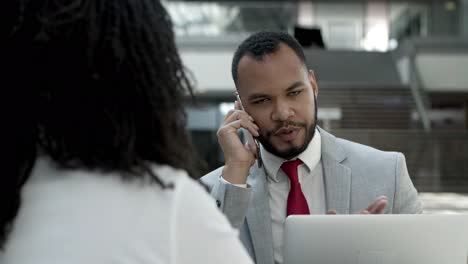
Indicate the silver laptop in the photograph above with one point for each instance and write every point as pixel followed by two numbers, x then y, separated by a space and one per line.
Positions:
pixel 376 239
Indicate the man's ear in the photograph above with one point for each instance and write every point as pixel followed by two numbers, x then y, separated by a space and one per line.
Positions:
pixel 313 81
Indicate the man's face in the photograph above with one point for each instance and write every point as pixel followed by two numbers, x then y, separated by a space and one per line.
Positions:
pixel 279 93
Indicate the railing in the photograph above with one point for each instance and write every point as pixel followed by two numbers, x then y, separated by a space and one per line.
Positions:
pixel 370 108
pixel 437 161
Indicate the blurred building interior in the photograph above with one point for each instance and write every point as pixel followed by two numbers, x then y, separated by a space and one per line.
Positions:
pixel 391 74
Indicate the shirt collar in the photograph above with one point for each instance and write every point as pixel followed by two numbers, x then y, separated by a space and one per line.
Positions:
pixel 310 156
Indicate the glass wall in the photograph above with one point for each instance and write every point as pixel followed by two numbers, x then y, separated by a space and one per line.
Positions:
pixel 230 18
pixel 360 25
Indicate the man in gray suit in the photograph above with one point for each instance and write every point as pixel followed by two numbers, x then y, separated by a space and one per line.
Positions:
pixel 298 168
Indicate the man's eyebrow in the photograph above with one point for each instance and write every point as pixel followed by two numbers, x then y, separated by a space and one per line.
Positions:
pixel 294 85
pixel 256 96
pixel 260 95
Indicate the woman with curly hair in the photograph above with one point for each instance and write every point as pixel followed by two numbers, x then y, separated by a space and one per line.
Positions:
pixel 98 157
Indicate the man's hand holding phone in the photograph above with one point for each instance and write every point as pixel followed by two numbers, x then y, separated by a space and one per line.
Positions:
pixel 239 157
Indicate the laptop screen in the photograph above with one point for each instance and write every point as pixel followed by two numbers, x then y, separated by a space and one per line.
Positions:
pixel 382 239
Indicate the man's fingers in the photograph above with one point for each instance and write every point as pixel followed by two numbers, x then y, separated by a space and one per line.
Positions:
pixel 237 108
pixel 236 119
pixel 237 124
pixel 378 206
pixel 382 200
pixel 237 105
pixel 234 115
pixel 331 212
pixel 252 148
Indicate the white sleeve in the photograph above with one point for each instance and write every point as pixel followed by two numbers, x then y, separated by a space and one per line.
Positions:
pixel 202 232
pixel 238 185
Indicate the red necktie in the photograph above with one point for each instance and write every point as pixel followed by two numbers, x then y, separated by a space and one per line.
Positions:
pixel 297 203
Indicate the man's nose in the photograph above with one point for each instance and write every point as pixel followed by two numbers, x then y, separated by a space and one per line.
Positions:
pixel 282 111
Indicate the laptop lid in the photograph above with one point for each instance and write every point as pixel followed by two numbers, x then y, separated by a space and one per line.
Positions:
pixel 376 239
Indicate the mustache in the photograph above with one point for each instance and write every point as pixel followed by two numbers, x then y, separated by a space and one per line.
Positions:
pixel 286 124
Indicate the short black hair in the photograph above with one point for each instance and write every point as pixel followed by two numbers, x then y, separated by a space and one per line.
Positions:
pixel 263 43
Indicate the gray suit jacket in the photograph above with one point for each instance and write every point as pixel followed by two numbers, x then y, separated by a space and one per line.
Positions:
pixel 354 176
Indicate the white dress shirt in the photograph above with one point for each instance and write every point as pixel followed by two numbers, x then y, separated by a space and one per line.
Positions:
pixel 312 185
pixel 81 216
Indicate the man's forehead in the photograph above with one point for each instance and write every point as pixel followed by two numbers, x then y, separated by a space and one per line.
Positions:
pixel 283 56
pixel 249 60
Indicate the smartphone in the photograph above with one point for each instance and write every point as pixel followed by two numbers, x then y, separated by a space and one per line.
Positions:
pixel 251 141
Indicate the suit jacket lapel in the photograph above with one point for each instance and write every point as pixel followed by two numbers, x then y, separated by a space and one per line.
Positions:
pixel 258 217
pixel 337 176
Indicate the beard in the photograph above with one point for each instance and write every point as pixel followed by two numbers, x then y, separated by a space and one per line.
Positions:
pixel 292 151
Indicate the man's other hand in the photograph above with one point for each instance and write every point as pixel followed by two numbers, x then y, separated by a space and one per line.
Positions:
pixel 377 207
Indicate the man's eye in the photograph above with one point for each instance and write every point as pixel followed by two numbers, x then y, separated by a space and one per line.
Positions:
pixel 260 101
pixel 294 93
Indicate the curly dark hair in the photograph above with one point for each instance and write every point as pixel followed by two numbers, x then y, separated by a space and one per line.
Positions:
pixel 95 84
pixel 261 44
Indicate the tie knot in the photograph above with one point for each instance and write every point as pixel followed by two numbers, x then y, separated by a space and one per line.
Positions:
pixel 290 168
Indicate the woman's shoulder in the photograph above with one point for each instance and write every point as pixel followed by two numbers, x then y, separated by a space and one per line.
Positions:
pixel 170 175
pixel 47 171
pixel 74 185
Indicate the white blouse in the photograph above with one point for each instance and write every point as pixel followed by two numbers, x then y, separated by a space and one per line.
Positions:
pixel 79 216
